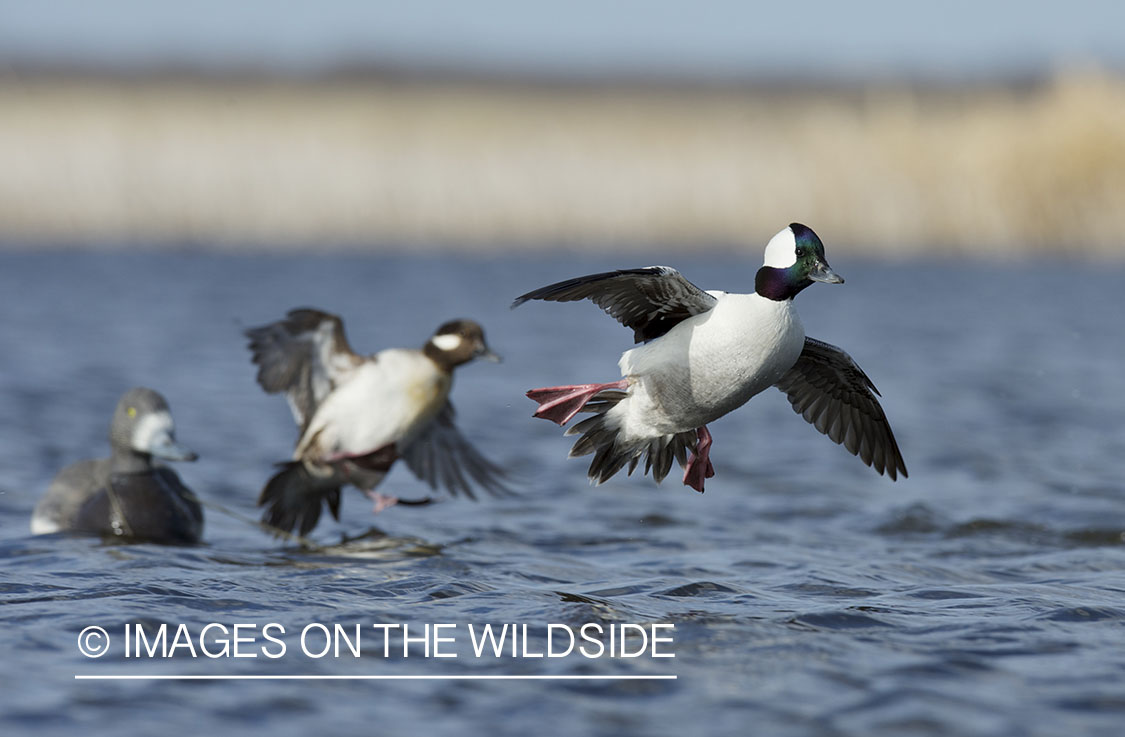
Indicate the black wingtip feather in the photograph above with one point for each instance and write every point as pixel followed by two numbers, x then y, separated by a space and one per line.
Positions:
pixel 833 394
pixel 651 300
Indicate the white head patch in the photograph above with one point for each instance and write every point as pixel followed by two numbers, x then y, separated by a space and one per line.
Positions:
pixel 151 429
pixel 781 251
pixel 447 342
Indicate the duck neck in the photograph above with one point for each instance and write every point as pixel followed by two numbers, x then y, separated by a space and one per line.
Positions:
pixel 778 284
pixel 441 358
pixel 445 360
pixel 127 460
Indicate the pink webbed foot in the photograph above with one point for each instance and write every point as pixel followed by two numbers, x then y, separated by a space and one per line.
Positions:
pixel 382 501
pixel 699 465
pixel 560 404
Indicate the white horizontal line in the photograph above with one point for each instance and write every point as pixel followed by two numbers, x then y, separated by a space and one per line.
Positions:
pixel 298 677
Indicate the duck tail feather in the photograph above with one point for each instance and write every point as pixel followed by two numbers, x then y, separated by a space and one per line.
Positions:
pixel 294 498
pixel 601 435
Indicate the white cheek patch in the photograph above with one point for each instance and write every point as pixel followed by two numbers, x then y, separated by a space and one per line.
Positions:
pixel 150 428
pixel 781 251
pixel 447 342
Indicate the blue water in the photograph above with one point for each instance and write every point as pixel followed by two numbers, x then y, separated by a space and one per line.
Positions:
pixel 984 595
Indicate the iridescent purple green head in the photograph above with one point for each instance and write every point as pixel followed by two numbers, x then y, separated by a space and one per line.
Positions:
pixel 794 260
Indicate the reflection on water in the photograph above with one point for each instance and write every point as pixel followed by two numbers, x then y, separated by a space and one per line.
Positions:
pixel 983 595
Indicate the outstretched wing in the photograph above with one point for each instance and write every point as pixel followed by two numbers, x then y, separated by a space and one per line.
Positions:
pixel 442 456
pixel 830 391
pixel 306 356
pixel 651 300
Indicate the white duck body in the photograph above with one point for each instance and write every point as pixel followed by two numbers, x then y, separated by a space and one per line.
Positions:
pixel 387 400
pixel 707 365
pixel 360 415
pixel 705 354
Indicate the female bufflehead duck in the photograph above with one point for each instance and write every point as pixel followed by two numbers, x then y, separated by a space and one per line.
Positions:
pixel 359 414
pixel 128 494
pixel 707 353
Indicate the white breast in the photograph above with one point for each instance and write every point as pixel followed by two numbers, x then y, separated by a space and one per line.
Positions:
pixel 388 400
pixel 711 364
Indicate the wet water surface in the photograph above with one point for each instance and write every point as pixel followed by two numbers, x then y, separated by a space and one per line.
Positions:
pixel 984 595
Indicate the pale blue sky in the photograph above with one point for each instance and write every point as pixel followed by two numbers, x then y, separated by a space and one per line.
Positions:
pixel 860 38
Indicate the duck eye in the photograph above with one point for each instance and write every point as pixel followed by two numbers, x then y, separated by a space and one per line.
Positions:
pixel 800 252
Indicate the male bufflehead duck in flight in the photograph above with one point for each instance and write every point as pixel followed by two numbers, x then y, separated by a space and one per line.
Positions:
pixel 703 354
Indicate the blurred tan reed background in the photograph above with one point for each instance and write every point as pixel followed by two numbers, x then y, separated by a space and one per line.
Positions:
pixel 887 169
